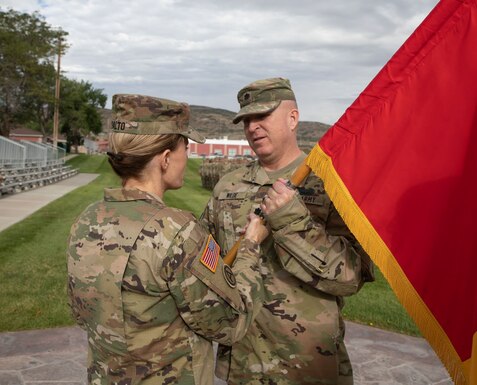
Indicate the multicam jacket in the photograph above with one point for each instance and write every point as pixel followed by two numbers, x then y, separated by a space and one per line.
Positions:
pixel 308 263
pixel 146 283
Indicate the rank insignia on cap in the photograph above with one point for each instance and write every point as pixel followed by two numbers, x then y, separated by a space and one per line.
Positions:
pixel 210 256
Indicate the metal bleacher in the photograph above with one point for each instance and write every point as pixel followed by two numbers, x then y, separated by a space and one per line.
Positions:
pixel 26 165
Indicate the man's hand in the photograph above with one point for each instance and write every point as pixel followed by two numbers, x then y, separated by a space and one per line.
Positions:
pixel 277 196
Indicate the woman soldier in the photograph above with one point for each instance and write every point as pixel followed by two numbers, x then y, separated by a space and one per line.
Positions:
pixel 146 281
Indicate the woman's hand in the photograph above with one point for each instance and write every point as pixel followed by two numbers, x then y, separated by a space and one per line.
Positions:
pixel 255 230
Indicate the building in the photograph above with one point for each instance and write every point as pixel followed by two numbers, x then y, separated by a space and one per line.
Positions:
pixel 26 134
pixel 96 146
pixel 30 135
pixel 60 140
pixel 220 147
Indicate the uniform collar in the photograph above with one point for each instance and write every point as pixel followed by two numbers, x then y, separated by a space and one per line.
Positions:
pixel 129 194
pixel 256 174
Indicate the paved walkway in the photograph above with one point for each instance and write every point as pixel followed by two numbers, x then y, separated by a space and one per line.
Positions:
pixel 58 356
pixel 15 207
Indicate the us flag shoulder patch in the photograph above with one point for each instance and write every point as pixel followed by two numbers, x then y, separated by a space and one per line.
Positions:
pixel 210 256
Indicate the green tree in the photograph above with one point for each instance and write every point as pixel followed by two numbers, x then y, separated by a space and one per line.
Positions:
pixel 28 46
pixel 79 113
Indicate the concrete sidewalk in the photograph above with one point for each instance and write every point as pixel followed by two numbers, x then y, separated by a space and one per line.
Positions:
pixel 58 356
pixel 15 207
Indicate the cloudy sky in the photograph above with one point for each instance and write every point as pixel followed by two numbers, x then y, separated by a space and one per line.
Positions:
pixel 203 51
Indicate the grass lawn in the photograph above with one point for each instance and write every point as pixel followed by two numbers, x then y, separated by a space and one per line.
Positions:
pixel 33 258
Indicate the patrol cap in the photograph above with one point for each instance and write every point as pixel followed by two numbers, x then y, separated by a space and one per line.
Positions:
pixel 147 115
pixel 262 97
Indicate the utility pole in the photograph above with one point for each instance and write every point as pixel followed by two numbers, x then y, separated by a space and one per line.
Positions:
pixel 57 98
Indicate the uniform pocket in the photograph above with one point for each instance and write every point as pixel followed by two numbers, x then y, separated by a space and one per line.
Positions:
pixel 233 208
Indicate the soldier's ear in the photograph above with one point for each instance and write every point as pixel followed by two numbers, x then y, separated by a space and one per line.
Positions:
pixel 293 117
pixel 161 160
pixel 165 159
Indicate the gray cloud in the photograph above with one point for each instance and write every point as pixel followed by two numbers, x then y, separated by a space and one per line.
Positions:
pixel 203 51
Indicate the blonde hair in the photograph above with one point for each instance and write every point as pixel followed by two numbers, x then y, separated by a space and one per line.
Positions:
pixel 129 153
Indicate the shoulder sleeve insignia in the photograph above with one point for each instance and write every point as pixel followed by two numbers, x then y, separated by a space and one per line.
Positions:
pixel 229 276
pixel 211 254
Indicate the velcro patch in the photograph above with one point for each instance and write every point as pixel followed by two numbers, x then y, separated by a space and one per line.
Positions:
pixel 239 195
pixel 211 254
pixel 229 276
pixel 313 200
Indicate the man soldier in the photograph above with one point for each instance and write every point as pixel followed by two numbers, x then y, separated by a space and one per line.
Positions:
pixel 308 262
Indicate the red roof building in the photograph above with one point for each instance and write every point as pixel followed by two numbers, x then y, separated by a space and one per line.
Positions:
pixel 220 147
pixel 26 134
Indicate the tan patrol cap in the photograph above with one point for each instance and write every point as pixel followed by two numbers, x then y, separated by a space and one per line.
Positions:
pixel 148 115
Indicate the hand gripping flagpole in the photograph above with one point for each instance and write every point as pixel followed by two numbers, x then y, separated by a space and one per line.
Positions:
pixel 297 177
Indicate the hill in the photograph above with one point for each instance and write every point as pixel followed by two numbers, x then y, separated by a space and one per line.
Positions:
pixel 217 123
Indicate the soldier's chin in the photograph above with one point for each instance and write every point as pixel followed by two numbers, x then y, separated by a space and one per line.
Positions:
pixel 176 186
pixel 262 151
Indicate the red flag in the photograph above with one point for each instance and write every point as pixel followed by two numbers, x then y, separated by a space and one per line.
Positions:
pixel 401 167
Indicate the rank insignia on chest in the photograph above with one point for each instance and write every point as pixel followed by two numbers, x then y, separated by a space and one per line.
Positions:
pixel 211 254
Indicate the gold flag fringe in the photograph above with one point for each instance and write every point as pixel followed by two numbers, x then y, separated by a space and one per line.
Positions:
pixel 363 230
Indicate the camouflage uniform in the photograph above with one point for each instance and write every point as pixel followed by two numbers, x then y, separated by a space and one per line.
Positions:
pixel 298 335
pixel 138 287
pixel 146 281
pixel 308 263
